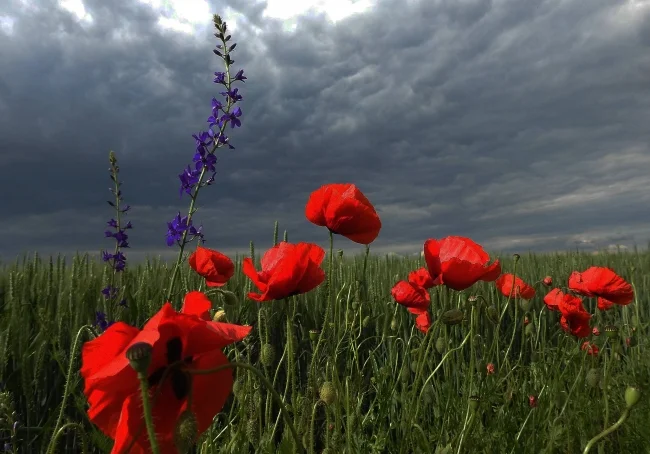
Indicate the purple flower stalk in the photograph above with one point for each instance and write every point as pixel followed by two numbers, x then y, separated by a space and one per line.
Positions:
pixel 117 260
pixel 192 179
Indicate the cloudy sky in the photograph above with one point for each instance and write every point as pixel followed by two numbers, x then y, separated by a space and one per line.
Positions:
pixel 521 124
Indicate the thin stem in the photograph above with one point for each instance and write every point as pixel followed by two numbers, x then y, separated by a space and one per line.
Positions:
pixel 66 389
pixel 607 431
pixel 266 383
pixel 146 409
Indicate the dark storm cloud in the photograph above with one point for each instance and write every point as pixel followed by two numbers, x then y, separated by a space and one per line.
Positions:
pixel 520 124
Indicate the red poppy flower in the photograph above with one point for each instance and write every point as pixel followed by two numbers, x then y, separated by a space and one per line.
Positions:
pixel 609 287
pixel 592 349
pixel 287 269
pixel 343 209
pixel 575 319
pixel 595 331
pixel 215 267
pixel 553 298
pixel 490 368
pixel 415 298
pixel 505 284
pixel 113 390
pixel 458 262
pixel 421 277
pixel 423 322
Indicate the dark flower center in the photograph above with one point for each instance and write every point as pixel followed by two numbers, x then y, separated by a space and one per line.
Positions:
pixel 180 380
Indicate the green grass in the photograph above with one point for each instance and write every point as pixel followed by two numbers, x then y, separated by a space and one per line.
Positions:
pixel 392 390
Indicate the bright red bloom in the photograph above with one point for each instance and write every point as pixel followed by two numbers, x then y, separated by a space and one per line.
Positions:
pixel 505 284
pixel 343 209
pixel 423 322
pixel 575 319
pixel 113 389
pixel 421 277
pixel 553 298
pixel 215 267
pixel 415 298
pixel 458 262
pixel 609 287
pixel 287 270
pixel 592 349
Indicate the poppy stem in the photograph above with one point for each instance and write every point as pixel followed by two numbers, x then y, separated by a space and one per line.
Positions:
pixel 66 389
pixel 607 431
pixel 146 408
pixel 265 381
pixel 80 431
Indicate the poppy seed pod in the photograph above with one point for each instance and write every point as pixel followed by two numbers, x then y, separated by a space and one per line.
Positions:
pixel 611 331
pixel 139 356
pixel 185 432
pixel 313 334
pixel 632 396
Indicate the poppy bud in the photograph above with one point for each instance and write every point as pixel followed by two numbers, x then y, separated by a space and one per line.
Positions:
pixel 340 252
pixel 139 356
pixel 366 321
pixel 219 316
pixel 631 341
pixel 632 396
pixel 595 331
pixel 394 324
pixel 327 393
pixel 525 304
pixel 593 377
pixel 405 374
pixel 253 431
pixel 355 305
pixel 547 281
pixel 611 331
pixel 516 257
pixel 313 335
pixel 238 389
pixel 267 355
pixel 529 330
pixel 532 401
pixel 452 317
pixel 473 402
pixel 493 314
pixel 490 368
pixel 440 345
pixel 186 432
pixel 228 297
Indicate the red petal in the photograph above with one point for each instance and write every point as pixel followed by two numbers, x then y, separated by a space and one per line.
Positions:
pixel 197 303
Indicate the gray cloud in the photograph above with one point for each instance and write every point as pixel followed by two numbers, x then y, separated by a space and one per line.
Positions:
pixel 520 124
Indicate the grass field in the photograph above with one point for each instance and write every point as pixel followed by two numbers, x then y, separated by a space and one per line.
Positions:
pixel 379 386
